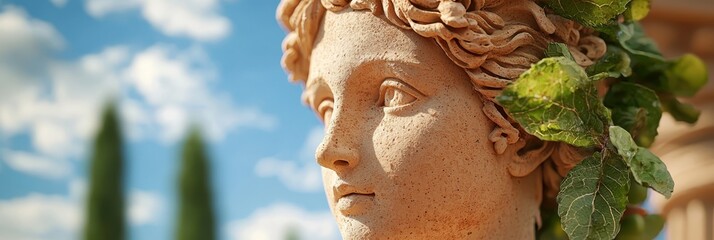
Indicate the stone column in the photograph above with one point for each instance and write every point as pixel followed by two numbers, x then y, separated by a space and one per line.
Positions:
pixel 681 26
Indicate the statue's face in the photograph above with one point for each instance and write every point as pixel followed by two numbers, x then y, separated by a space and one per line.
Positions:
pixel 406 153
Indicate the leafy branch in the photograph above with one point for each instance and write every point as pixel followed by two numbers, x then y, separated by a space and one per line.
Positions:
pixel 557 100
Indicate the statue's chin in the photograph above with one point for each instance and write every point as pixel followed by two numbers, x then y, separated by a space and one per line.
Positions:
pixel 352 228
pixel 380 227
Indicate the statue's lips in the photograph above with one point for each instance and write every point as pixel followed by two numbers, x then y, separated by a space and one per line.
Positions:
pixel 354 203
pixel 351 200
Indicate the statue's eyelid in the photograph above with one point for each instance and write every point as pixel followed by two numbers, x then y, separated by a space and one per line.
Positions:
pixel 316 93
pixel 400 85
pixel 323 106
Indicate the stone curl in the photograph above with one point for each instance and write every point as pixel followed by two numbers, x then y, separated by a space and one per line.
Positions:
pixel 494 41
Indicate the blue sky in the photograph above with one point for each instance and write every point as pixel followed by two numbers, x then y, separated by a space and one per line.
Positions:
pixel 168 63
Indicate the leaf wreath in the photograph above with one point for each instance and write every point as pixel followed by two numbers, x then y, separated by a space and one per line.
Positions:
pixel 557 100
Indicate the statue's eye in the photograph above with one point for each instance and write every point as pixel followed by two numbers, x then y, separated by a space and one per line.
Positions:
pixel 325 110
pixel 395 93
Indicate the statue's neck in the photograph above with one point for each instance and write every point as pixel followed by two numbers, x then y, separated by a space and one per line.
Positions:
pixel 515 227
pixel 518 220
pixel 514 220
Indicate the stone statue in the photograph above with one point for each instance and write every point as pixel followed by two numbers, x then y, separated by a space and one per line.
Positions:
pixel 415 146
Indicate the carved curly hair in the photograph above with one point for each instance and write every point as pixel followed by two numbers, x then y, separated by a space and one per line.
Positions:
pixel 494 41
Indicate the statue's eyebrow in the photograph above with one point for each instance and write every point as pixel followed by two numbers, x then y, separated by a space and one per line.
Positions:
pixel 406 70
pixel 311 82
pixel 312 88
pixel 410 73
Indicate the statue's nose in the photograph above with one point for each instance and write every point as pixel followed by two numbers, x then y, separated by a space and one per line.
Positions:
pixel 339 149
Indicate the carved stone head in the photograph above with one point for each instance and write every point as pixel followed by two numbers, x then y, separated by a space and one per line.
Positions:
pixel 415 146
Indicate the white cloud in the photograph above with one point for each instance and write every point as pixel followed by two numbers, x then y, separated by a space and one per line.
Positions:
pixel 52 99
pixel 144 207
pixel 49 136
pixel 40 216
pixel 26 46
pixel 100 8
pixel 175 87
pixel 160 91
pixel 35 164
pixel 136 117
pixel 77 189
pixel 275 221
pixel 197 19
pixel 302 175
pixel 28 35
pixel 59 110
pixel 59 3
pixel 295 176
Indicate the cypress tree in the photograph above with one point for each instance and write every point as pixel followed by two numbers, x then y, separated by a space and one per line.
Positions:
pixel 196 216
pixel 105 199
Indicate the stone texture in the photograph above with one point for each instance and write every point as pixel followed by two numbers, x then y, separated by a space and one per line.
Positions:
pixel 415 146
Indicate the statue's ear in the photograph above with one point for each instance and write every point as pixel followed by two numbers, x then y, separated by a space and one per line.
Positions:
pixel 529 154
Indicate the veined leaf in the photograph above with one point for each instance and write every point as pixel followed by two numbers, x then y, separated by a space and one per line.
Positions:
pixel 615 63
pixel 632 38
pixel 622 140
pixel 650 171
pixel 647 168
pixel 593 197
pixel 555 101
pixel 592 13
pixel 636 109
pixel 682 77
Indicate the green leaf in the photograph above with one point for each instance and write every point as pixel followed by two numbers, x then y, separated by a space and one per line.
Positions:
pixel 632 38
pixel 686 75
pixel 615 63
pixel 680 111
pixel 555 101
pixel 593 197
pixel 556 49
pixel 623 142
pixel 637 10
pixel 682 77
pixel 646 168
pixel 592 13
pixel 650 171
pixel 636 109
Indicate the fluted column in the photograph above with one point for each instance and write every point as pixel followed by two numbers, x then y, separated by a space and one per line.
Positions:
pixel 681 26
